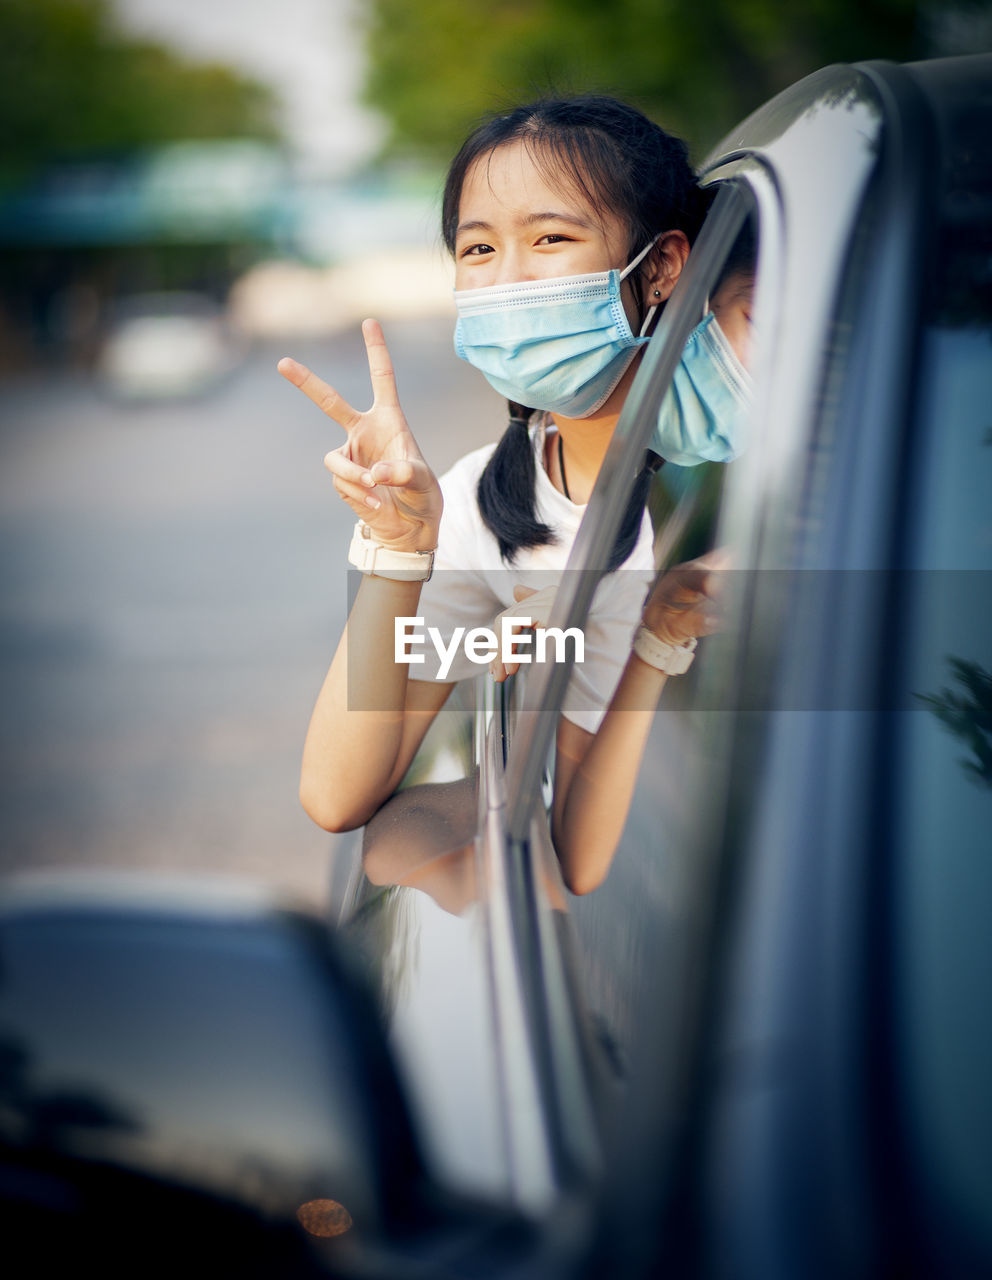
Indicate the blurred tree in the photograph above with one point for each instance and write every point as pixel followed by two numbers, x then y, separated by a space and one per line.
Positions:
pixel 967 715
pixel 71 85
pixel 696 66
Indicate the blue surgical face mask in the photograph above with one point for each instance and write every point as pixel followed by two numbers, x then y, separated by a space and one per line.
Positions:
pixel 561 345
pixel 704 414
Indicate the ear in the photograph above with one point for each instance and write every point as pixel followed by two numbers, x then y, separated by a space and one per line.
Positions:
pixel 663 267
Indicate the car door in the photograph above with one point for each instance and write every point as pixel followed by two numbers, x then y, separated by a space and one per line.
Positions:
pixel 807 1034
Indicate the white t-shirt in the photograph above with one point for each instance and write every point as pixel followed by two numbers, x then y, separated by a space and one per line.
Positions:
pixel 471 584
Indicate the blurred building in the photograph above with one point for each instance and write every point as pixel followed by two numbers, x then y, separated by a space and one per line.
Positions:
pixel 189 216
pixel 229 221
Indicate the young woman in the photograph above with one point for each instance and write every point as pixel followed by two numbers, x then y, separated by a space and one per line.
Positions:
pixel 570 222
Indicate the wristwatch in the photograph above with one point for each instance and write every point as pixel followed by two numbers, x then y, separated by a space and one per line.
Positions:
pixel 672 659
pixel 402 566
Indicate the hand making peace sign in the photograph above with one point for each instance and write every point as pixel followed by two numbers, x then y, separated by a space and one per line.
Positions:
pixel 378 471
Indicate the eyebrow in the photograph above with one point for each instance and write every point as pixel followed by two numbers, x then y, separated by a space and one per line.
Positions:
pixel 477 224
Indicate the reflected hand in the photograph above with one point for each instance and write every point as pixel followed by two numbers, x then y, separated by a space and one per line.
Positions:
pixel 684 602
pixel 379 470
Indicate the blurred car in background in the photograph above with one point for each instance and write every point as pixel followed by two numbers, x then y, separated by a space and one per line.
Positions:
pixel 764 1047
pixel 165 345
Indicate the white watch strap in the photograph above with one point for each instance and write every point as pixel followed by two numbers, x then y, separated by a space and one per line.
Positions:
pixel 673 659
pixel 402 566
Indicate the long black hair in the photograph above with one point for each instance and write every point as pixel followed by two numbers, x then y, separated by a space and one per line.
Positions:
pixel 622 164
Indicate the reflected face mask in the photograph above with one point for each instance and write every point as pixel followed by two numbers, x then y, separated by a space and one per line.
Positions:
pixel 560 345
pixel 704 414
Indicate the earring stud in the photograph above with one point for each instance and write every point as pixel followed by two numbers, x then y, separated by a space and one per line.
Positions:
pixel 657 293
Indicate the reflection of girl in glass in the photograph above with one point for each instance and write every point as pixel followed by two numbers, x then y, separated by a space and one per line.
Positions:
pixel 570 223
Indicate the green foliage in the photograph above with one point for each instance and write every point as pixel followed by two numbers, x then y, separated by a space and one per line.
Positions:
pixel 71 85
pixel 696 66
pixel 967 715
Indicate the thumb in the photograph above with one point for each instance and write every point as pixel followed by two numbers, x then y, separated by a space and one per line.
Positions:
pixel 403 473
pixel 521 593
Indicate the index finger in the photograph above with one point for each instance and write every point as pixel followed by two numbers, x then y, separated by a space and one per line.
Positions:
pixel 380 364
pixel 315 389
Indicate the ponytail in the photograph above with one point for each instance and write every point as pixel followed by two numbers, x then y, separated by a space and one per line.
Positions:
pixel 630 525
pixel 507 491
pixel 507 496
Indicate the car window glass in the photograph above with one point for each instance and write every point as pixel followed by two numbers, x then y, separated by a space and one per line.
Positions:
pixel 943 787
pixel 647 414
pixel 637 928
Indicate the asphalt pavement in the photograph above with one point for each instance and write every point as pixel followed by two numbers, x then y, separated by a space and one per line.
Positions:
pixel 172 586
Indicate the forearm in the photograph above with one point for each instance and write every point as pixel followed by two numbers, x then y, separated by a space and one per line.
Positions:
pixel 594 787
pixel 357 744
pixel 365 725
pixel 596 776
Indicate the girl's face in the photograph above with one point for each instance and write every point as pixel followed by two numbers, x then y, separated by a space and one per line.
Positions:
pixel 514 225
pixel 731 304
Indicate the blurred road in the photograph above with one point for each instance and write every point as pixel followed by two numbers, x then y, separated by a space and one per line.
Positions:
pixel 171 590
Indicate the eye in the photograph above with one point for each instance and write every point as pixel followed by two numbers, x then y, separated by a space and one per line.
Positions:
pixel 475 250
pixel 554 237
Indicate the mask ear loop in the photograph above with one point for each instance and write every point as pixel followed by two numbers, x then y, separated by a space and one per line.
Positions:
pixel 646 324
pixel 640 257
